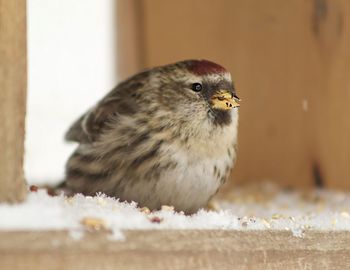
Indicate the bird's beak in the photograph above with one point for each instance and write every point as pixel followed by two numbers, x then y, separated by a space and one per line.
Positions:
pixel 224 100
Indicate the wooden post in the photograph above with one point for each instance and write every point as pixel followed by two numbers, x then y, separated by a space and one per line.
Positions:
pixel 13 80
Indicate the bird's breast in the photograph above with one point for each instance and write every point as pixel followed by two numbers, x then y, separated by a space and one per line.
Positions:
pixel 202 167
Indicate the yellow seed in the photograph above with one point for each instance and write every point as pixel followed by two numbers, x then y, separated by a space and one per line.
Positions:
pixel 277 216
pixel 93 223
pixel 145 210
pixel 168 208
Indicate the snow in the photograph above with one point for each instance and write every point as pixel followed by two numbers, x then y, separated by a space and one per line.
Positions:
pixel 258 208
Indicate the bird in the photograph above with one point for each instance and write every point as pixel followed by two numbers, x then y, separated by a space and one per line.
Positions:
pixel 165 136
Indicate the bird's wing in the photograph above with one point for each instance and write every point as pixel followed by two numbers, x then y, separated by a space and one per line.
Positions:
pixel 121 100
pixel 75 132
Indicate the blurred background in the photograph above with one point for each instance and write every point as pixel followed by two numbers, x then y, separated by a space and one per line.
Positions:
pixel 71 64
pixel 290 61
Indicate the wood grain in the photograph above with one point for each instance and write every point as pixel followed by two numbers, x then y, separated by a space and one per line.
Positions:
pixel 333 123
pixel 13 79
pixel 129 37
pixel 290 61
pixel 176 250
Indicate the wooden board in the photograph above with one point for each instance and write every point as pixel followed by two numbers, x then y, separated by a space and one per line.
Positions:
pixel 130 37
pixel 13 79
pixel 175 250
pixel 291 64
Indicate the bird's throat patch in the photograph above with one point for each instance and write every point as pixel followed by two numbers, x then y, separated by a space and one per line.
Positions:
pixel 221 118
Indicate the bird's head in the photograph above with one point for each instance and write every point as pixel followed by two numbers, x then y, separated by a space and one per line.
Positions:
pixel 200 84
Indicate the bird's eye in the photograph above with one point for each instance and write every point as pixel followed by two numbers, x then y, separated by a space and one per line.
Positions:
pixel 196 87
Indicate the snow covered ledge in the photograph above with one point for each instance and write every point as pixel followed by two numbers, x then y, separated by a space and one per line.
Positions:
pixel 258 227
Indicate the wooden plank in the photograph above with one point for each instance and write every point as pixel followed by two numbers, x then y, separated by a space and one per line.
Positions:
pixel 129 37
pixel 333 124
pixel 260 43
pixel 198 249
pixel 13 79
pixel 290 61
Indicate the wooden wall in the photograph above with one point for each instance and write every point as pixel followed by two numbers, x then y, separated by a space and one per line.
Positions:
pixel 13 79
pixel 291 64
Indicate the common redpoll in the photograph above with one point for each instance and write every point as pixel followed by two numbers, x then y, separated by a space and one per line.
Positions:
pixel 166 136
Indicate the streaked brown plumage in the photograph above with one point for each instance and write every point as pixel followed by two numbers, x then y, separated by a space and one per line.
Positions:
pixel 165 136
